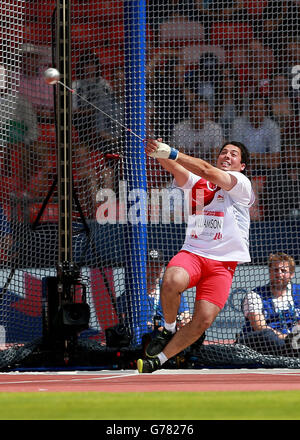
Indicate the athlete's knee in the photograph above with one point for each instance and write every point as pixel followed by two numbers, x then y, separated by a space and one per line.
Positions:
pixel 175 279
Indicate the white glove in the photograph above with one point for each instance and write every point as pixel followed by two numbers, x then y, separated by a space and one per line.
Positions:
pixel 163 151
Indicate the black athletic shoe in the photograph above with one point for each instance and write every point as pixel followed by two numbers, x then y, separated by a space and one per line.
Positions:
pixel 197 344
pixel 200 341
pixel 158 344
pixel 148 365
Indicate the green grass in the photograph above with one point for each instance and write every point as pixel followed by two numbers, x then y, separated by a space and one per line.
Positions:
pixel 260 405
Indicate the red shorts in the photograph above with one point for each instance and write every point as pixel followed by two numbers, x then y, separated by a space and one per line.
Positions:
pixel 212 278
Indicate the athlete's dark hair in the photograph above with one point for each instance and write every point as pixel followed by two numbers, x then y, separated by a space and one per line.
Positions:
pixel 245 156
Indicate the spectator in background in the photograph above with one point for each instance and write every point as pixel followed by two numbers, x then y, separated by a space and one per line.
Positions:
pixel 114 132
pixel 291 58
pixel 158 13
pixel 280 20
pixel 20 132
pixel 272 310
pixel 18 125
pixel 198 135
pixel 18 111
pixel 23 123
pixel 204 81
pixel 283 111
pixel 256 70
pixel 260 134
pixel 228 101
pixel 35 60
pixel 90 84
pixel 18 120
pixel 281 104
pixel 279 198
pixel 202 11
pixel 290 55
pixel 208 11
pixel 95 128
pixel 251 11
pixel 166 91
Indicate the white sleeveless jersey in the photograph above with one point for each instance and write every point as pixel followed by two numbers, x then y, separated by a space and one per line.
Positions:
pixel 219 220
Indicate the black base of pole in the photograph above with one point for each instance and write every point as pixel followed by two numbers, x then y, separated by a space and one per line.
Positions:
pixel 63 318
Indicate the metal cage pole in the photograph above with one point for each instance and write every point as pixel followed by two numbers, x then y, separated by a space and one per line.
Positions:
pixel 64 318
pixel 135 169
pixel 64 132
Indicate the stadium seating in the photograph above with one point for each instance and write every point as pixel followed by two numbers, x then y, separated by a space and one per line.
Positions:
pixel 180 32
pixel 47 133
pixel 227 34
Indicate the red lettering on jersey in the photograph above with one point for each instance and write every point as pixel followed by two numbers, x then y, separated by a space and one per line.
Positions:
pixel 218 236
pixel 203 193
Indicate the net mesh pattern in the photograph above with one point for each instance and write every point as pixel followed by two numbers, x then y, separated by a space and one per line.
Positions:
pixel 213 71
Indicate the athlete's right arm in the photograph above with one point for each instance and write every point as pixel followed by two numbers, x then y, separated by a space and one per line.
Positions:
pixel 179 173
pixel 197 166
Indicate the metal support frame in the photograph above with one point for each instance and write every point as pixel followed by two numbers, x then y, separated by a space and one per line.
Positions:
pixel 64 131
pixel 135 169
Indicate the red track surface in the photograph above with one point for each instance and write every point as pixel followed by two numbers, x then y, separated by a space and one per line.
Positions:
pixel 130 381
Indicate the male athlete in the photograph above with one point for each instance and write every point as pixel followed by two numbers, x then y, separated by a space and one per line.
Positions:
pixel 216 240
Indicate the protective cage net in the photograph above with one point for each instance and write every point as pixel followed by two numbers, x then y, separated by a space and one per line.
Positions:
pixel 214 71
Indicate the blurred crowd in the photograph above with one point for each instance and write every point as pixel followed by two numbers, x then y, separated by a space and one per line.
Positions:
pixel 215 71
pixel 234 78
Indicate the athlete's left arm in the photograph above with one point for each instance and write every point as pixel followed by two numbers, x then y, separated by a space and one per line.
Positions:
pixel 204 169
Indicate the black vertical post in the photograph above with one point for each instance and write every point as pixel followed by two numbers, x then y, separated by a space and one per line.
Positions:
pixel 64 317
pixel 64 125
